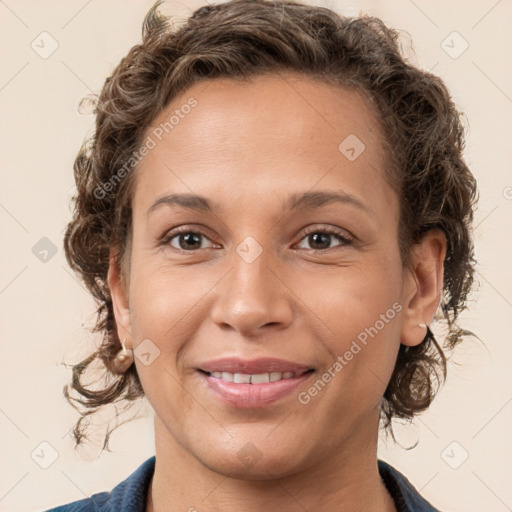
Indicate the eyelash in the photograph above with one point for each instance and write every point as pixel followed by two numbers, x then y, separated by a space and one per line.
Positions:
pixel 338 233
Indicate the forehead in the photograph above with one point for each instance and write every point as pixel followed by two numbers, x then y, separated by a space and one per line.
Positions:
pixel 277 130
pixel 273 107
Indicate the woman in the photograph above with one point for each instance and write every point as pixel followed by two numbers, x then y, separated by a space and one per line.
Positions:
pixel 272 209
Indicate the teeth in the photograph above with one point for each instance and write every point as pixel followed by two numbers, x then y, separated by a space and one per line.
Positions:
pixel 241 378
pixel 259 378
pixel 227 376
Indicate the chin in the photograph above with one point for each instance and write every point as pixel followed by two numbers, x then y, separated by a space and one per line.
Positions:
pixel 264 468
pixel 254 458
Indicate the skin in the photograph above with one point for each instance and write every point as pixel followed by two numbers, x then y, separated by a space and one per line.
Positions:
pixel 247 147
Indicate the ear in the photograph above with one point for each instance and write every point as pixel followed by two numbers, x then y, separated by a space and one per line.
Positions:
pixel 118 286
pixel 423 286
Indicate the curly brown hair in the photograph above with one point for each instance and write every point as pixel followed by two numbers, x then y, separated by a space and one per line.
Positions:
pixel 240 39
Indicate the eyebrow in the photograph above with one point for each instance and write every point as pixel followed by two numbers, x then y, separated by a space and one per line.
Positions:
pixel 314 200
pixel 189 201
pixel 296 202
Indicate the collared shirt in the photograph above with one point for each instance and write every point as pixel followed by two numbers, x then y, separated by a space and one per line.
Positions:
pixel 131 494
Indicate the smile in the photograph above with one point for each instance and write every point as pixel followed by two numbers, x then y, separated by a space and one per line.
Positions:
pixel 257 383
pixel 258 378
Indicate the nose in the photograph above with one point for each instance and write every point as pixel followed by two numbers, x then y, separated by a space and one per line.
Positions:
pixel 253 298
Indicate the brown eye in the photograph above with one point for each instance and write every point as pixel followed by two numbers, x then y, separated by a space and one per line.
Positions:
pixel 321 239
pixel 189 240
pixel 185 240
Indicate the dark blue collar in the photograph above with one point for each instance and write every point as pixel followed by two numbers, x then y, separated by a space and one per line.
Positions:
pixel 404 494
pixel 131 494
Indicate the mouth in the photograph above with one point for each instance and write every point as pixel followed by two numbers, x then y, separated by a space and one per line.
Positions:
pixel 252 384
pixel 255 378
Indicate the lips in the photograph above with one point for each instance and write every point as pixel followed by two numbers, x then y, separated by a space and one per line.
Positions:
pixel 254 367
pixel 252 384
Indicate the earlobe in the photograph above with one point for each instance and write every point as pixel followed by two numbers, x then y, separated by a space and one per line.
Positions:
pixel 120 301
pixel 423 286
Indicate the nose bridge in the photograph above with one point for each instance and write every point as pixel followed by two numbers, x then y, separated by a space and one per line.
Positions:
pixel 251 296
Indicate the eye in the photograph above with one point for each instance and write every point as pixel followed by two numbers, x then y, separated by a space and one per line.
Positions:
pixel 185 239
pixel 321 238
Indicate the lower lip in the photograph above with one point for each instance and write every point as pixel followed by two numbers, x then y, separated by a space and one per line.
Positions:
pixel 253 395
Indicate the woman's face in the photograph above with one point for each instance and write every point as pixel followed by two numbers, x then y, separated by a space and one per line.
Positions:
pixel 287 261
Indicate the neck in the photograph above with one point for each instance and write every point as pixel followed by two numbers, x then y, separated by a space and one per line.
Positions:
pixel 347 481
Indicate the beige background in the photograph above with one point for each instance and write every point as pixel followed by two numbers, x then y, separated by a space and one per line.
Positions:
pixel 45 311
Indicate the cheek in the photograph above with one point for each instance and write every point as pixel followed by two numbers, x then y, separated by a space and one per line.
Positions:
pixel 159 300
pixel 161 290
pixel 166 301
pixel 162 311
pixel 363 312
pixel 353 299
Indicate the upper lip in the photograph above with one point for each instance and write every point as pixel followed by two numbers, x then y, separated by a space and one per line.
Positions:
pixel 253 366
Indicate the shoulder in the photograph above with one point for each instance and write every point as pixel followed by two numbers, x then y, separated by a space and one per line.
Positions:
pixel 129 495
pixel 405 495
